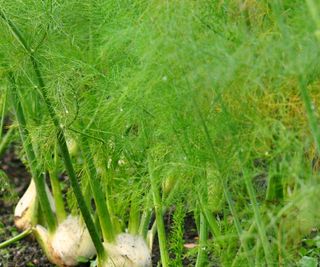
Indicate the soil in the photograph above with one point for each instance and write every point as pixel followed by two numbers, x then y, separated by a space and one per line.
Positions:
pixel 26 252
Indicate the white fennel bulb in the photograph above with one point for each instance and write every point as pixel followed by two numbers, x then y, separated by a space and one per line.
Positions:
pixel 129 251
pixel 68 243
pixel 26 207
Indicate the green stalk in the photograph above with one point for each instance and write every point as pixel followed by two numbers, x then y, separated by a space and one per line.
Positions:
pixel 203 238
pixel 15 238
pixel 107 176
pixel 133 227
pixel 56 189
pixel 6 140
pixel 151 234
pixel 159 219
pixel 237 224
pixel 214 228
pixel 98 195
pixel 3 114
pixel 147 214
pixel 260 225
pixel 36 174
pixel 145 218
pixel 61 141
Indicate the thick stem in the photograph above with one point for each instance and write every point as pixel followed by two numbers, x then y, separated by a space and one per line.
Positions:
pixel 145 218
pixel 56 190
pixel 151 234
pixel 133 226
pixel 159 219
pixel 36 174
pixel 98 195
pixel 214 228
pixel 203 237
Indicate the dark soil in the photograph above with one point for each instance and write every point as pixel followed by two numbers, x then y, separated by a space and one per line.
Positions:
pixel 26 252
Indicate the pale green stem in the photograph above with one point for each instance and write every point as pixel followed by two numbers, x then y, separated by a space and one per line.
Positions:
pixel 16 238
pixel 214 228
pixel 145 218
pixel 98 195
pixel 203 238
pixel 56 189
pixel 159 219
pixel 133 227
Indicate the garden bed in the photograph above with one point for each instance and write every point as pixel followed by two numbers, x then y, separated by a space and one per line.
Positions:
pixel 27 252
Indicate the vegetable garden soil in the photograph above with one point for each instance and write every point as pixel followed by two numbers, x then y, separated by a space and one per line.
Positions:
pixel 26 252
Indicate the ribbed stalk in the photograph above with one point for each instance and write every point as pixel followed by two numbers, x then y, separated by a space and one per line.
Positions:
pixel 36 174
pixel 203 238
pixel 145 218
pixel 57 196
pixel 159 219
pixel 98 195
pixel 214 228
pixel 56 189
pixel 61 141
pixel 133 226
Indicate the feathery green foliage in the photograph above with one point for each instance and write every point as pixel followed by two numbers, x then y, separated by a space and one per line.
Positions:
pixel 217 93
